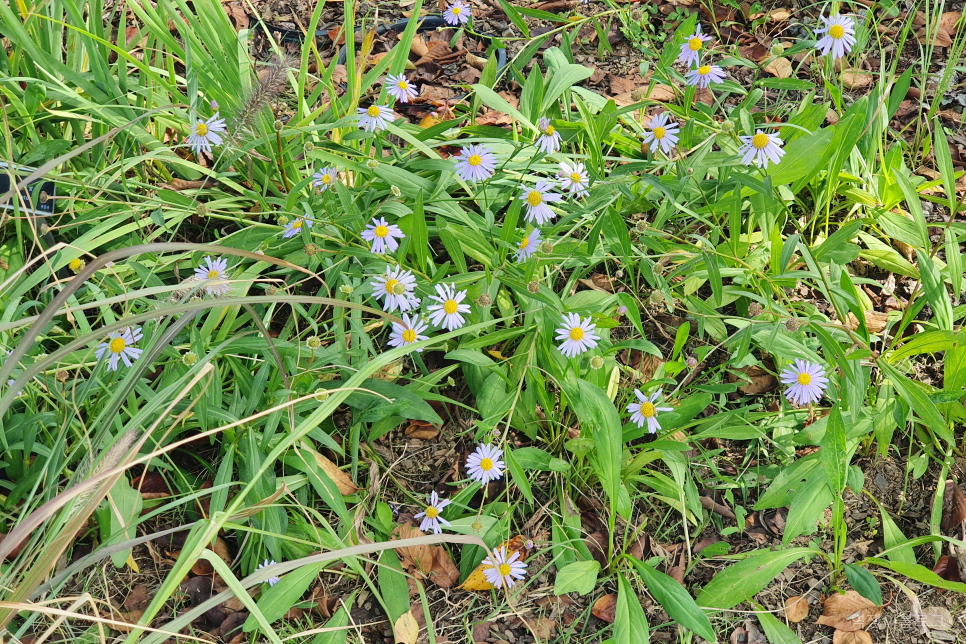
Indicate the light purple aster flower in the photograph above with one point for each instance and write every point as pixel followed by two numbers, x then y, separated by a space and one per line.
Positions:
pixel 549 140
pixel 537 199
pixel 663 134
pixel 400 88
pixel 431 516
pixel 806 380
pixel 205 134
pixel 577 335
pixel 644 412
pixel 458 13
pixel 374 117
pixel 839 36
pixel 528 245
pixel 397 287
pixel 475 163
pixel 271 581
pixel 704 75
pixel 761 148
pixel 503 571
pixel 691 48
pixel 408 331
pixel 573 178
pixel 484 465
pixel 215 273
pixel 324 178
pixel 382 235
pixel 295 226
pixel 120 347
pixel 448 310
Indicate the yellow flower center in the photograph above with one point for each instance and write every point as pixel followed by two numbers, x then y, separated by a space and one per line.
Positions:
pixel 804 379
pixel 402 85
pixel 576 178
pixel 659 133
pixel 450 307
pixel 75 264
pixel 695 44
pixel 647 410
pixel 836 31
pixel 391 285
pixel 550 130
pixel 759 141
pixel 456 10
pixel 704 70
pixel 432 512
pixel 474 160
pixel 534 198
pixel 117 345
pixel 486 464
pixel 381 231
pixel 504 569
pixel 524 243
pixel 201 129
pixel 212 274
pixel 373 111
pixel 410 336
pixel 576 333
pixel 326 178
pixel 297 224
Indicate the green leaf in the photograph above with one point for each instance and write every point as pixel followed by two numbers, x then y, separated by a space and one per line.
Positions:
pixel 562 79
pixel 918 573
pixel 471 357
pixel 929 342
pixel 500 104
pixel 837 247
pixel 515 17
pixel 596 410
pixel 393 585
pixel 278 599
pixel 579 577
pixel 630 622
pixel 743 580
pixel 674 599
pixel 935 289
pixel 864 583
pixel 803 157
pixel 920 403
pixel 123 507
pixel 517 474
pixel 834 451
pixel 533 458
pixel 776 632
pixel 337 623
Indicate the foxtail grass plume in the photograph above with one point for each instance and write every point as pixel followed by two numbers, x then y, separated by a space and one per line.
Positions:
pixel 270 83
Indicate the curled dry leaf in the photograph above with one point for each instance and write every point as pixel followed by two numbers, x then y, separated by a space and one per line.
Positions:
pixel 954 508
pixel 406 628
pixel 779 67
pixel 756 380
pixel 851 637
pixel 126 620
pixel 662 93
pixel 605 608
pixel 849 612
pixel 857 79
pixel 426 562
pixel 340 478
pixel 796 608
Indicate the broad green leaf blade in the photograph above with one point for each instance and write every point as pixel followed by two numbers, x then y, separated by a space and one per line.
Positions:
pixel 776 631
pixel 741 581
pixel 918 573
pixel 596 410
pixel 864 583
pixel 834 451
pixel 579 577
pixel 278 599
pixel 630 623
pixel 672 596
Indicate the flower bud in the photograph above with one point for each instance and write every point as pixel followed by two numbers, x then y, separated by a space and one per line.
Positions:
pixel 313 342
pixel 346 289
pixel 533 287
pixel 189 358
pixel 484 300
pixel 546 247
pixel 310 249
pixel 271 289
pixel 396 192
pixel 692 362
pixel 596 362
pixel 372 164
pixel 755 309
pixel 321 395
pixel 793 324
pixel 641 226
pixel 777 49
pixel 62 376
pixel 282 220
pixel 278 126
pixel 76 264
pixel 309 146
pixel 728 127
pixel 214 105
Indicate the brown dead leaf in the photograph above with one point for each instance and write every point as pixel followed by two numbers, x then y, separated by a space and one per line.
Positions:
pixel 943 32
pixel 495 118
pixel 796 608
pixel 138 598
pixel 599 282
pixel 856 78
pixel 555 6
pixel 954 508
pixel 875 321
pixel 126 619
pixel 419 46
pixel 761 380
pixel 545 628
pixel 661 93
pixel 779 15
pixel 476 61
pixel 340 478
pixel 621 85
pixel 851 637
pixel 779 67
pixel 481 631
pixel 849 612
pixel 755 52
pixel 426 561
pixel 605 608
pixel 421 430
pixel 718 508
pixel 239 17
pixel 406 628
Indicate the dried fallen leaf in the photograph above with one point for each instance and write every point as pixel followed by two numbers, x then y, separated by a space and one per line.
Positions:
pixel 849 612
pixel 937 618
pixel 427 562
pixel 138 598
pixel 851 637
pixel 796 608
pixel 544 628
pixel 756 380
pixel 340 478
pixel 126 619
pixel 856 78
pixel 662 93
pixel 477 580
pixel 778 15
pixel 406 628
pixel 954 508
pixel 605 608
pixel 779 67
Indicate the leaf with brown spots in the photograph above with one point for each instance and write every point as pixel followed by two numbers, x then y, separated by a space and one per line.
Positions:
pixel 796 608
pixel 605 608
pixel 849 612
